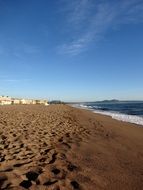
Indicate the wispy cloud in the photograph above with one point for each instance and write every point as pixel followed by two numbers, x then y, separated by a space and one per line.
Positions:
pixel 23 49
pixel 79 11
pixel 88 21
pixel 6 79
pixel 19 50
pixel 10 80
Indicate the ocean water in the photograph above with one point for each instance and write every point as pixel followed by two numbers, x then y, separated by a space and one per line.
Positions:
pixel 125 111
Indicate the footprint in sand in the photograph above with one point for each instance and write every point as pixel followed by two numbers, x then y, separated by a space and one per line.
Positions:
pixel 26 184
pixel 4 182
pixel 74 184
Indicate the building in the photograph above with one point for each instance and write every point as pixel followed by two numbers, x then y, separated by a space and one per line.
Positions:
pixel 15 101
pixel 33 101
pixel 27 101
pixel 42 102
pixel 5 100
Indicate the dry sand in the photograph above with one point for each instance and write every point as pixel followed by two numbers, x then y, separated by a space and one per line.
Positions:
pixel 63 148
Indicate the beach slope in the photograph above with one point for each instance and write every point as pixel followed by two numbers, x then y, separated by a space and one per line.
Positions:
pixel 63 148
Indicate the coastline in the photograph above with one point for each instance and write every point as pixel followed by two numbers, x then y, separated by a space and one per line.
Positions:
pixel 61 147
pixel 134 119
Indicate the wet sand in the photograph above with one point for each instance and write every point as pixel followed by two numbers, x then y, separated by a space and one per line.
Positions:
pixel 63 148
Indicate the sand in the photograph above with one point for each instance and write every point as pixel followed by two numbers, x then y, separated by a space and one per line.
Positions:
pixel 63 148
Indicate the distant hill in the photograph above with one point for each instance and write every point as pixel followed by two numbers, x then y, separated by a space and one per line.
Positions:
pixel 109 101
pixel 103 101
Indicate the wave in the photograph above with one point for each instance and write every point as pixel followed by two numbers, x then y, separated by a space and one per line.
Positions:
pixel 122 117
pixel 115 115
pixel 82 106
pixel 86 106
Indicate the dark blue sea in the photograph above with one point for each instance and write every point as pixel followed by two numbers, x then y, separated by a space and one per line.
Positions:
pixel 125 111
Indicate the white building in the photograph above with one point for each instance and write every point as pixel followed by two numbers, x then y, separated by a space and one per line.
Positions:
pixel 5 100
pixel 42 102
pixel 27 101
pixel 16 101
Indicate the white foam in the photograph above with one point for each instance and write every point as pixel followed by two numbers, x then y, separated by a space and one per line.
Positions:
pixel 123 117
pixel 115 115
pixel 82 106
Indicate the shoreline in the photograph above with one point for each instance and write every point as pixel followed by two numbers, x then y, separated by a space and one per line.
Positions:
pixel 61 147
pixel 133 119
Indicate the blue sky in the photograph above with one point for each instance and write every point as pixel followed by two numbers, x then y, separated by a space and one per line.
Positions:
pixel 79 50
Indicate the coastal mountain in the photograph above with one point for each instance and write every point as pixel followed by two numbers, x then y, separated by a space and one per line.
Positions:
pixel 103 101
pixel 109 101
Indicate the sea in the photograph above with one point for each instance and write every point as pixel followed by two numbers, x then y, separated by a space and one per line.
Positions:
pixel 130 111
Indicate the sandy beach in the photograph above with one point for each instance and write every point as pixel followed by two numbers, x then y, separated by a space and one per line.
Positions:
pixel 58 147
